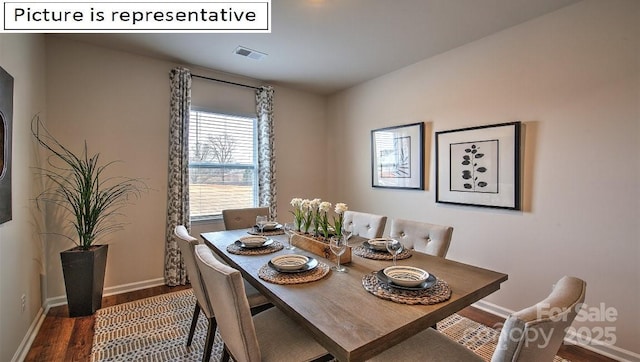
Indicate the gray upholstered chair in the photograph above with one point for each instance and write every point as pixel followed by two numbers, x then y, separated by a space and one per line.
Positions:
pixel 187 244
pixel 421 236
pixel 242 218
pixel 267 336
pixel 365 225
pixel 533 334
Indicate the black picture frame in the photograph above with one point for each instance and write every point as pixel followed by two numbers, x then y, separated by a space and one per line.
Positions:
pixel 6 118
pixel 397 157
pixel 479 166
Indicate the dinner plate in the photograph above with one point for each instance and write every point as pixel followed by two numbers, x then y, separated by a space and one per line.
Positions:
pixel 269 227
pixel 381 247
pixel 242 245
pixel 311 264
pixel 431 280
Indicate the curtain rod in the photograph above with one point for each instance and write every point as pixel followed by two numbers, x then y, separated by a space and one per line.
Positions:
pixel 225 81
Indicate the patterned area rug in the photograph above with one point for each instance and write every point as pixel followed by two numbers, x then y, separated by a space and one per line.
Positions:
pixel 155 329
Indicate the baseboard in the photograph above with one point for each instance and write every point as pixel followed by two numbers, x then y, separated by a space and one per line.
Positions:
pixel 118 289
pixel 32 332
pixel 590 344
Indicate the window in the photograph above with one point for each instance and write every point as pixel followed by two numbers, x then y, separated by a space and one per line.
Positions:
pixel 222 163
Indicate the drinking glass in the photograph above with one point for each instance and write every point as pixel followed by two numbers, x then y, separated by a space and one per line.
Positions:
pixel 261 220
pixel 394 247
pixel 288 229
pixel 338 245
pixel 347 231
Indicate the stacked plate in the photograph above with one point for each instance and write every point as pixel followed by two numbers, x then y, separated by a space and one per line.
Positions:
pixel 270 225
pixel 406 277
pixel 253 241
pixel 293 263
pixel 377 244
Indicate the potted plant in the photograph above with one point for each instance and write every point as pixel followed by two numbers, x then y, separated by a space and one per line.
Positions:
pixel 91 201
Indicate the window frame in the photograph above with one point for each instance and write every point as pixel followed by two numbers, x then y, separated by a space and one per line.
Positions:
pixel 254 167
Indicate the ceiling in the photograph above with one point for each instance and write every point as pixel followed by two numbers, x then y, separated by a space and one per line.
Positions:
pixel 324 46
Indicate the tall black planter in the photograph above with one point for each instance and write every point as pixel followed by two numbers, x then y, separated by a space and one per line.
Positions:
pixel 84 278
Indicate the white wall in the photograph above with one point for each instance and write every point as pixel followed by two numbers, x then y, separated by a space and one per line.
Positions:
pixel 21 264
pixel 573 78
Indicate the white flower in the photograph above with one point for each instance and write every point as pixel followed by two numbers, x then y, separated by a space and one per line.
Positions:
pixel 305 204
pixel 296 202
pixel 325 206
pixel 340 208
pixel 315 203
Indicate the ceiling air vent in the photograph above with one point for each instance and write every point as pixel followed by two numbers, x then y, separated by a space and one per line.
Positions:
pixel 249 53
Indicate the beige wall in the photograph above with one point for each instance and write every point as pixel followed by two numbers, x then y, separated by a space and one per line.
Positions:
pixel 573 78
pixel 119 102
pixel 21 264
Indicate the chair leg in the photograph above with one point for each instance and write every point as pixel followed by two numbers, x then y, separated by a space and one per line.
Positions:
pixel 194 322
pixel 211 336
pixel 258 309
pixel 225 354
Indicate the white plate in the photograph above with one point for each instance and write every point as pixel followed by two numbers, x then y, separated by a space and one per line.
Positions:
pixel 253 241
pixel 406 276
pixel 290 261
pixel 310 265
pixel 377 244
pixel 272 225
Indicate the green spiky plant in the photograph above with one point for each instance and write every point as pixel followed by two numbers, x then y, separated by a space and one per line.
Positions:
pixel 78 184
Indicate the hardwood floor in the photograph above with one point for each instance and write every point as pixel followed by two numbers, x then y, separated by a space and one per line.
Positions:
pixel 69 339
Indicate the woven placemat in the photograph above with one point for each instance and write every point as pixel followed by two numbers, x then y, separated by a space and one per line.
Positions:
pixel 256 231
pixel 272 248
pixel 438 293
pixel 273 276
pixel 365 252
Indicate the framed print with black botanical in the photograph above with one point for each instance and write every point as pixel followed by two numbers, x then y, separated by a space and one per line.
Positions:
pixel 479 166
pixel 397 157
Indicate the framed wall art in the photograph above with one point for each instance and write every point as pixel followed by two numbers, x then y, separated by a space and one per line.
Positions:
pixel 6 116
pixel 397 157
pixel 479 166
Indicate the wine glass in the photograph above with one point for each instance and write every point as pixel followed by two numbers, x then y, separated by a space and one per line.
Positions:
pixel 338 245
pixel 347 231
pixel 288 229
pixel 261 220
pixel 394 247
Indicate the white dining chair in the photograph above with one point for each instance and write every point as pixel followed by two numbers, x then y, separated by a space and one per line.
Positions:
pixel 533 334
pixel 424 237
pixel 257 301
pixel 364 224
pixel 268 336
pixel 242 218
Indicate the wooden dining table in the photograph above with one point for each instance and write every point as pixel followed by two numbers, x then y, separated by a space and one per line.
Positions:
pixel 350 322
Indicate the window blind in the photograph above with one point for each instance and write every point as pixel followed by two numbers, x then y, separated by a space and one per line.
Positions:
pixel 222 163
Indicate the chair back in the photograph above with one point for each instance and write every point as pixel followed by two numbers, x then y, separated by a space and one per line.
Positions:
pixel 233 314
pixel 536 333
pixel 421 236
pixel 365 225
pixel 242 218
pixel 187 244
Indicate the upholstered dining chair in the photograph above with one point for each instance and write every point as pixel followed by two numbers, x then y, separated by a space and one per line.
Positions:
pixel 421 236
pixel 187 243
pixel 242 218
pixel 364 224
pixel 268 336
pixel 533 334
